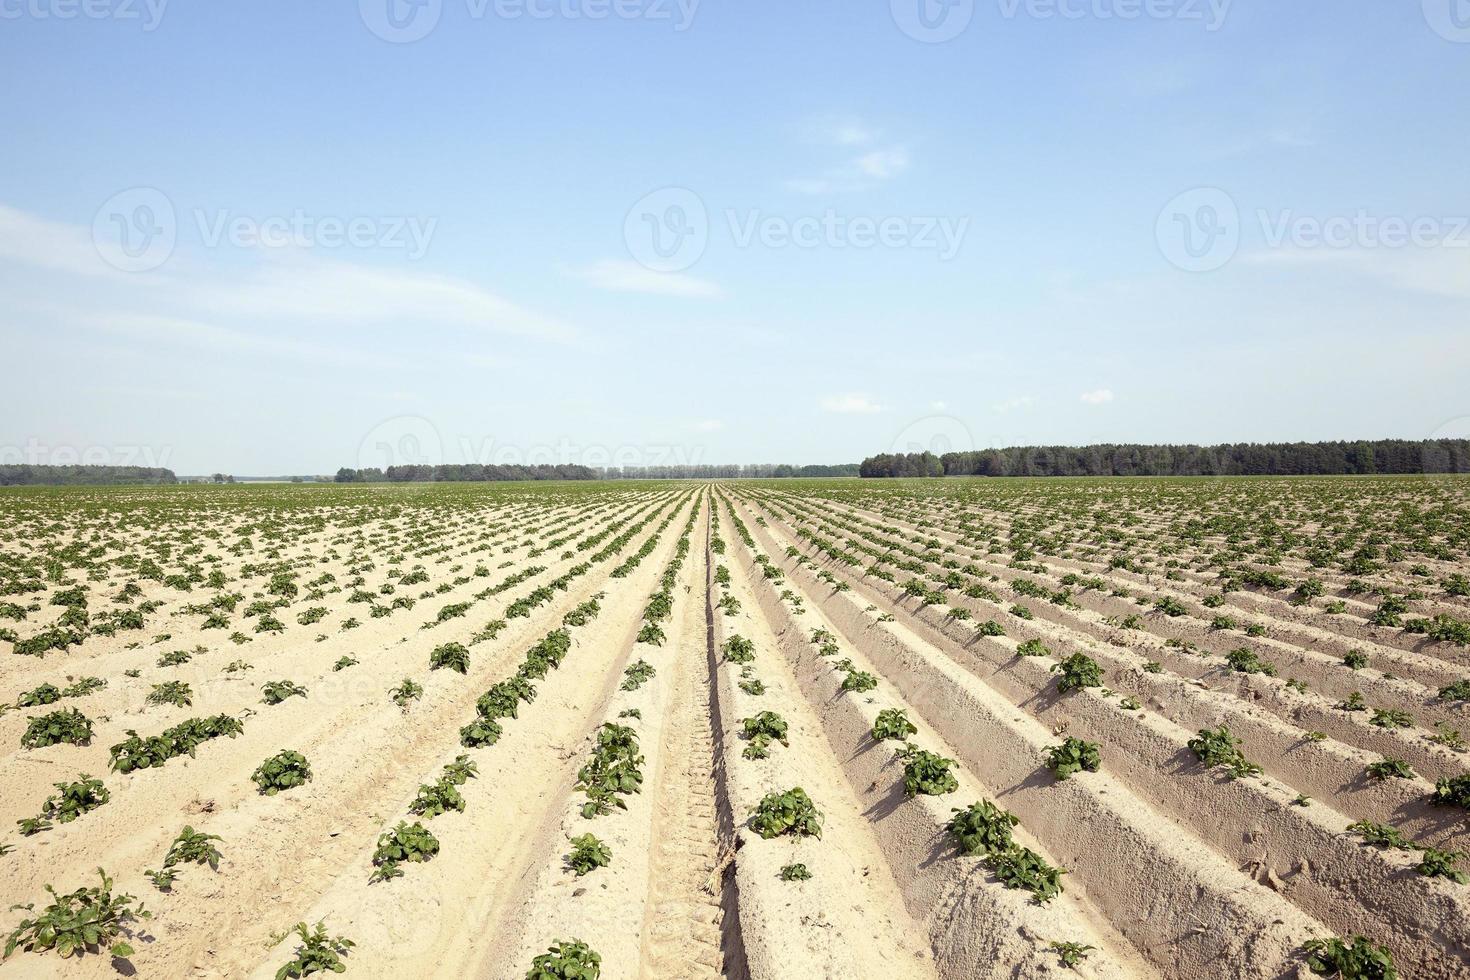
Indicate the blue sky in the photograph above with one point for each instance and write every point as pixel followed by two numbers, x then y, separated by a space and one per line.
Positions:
pixel 1068 221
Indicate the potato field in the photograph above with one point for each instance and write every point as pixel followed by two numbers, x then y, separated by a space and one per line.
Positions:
pixel 791 729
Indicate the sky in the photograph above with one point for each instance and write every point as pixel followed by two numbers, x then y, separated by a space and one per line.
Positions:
pixel 281 237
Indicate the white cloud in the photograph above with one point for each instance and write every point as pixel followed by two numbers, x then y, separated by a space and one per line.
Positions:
pixel 626 276
pixel 851 405
pixel 1015 404
pixel 883 164
pixel 876 164
pixel 1099 397
pixel 707 425
pixel 937 406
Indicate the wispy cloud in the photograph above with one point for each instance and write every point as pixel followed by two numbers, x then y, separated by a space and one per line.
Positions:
pixel 1100 396
pixel 851 404
pixel 196 296
pixel 625 276
pixel 1014 404
pixel 876 163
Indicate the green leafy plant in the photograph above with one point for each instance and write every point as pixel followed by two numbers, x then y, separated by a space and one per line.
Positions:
pixel 928 773
pixel 1078 671
pixel 1070 953
pixel 588 854
pixel 195 848
pixel 453 656
pixel 893 723
pixel 1072 756
pixel 274 692
pixel 344 662
pixel 1381 835
pixel 566 960
pixel 406 842
pixel 983 828
pixel 79 922
pixel 318 953
pixel 408 690
pixel 1357 959
pixel 791 812
pixel 1453 791
pixel 65 725
pixel 1391 718
pixel 162 880
pixel 795 872
pixel 1217 747
pixel 738 650
pixel 858 681
pixel 1434 863
pixel 637 674
pixel 286 769
pixel 1021 867
pixel 1390 768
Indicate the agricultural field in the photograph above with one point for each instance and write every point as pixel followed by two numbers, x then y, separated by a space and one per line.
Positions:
pixel 955 728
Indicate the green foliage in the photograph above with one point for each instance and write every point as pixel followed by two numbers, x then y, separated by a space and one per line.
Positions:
pixel 1070 953
pixel 791 812
pixel 1391 718
pixel 453 656
pixel 274 692
pixel 795 872
pixel 893 723
pixel 1078 671
pixel 78 922
pixel 1072 756
pixel 983 828
pixel 137 752
pixel 70 801
pixel 65 725
pixel 1245 661
pixel 318 953
pixel 637 674
pixel 1435 863
pixel 344 662
pixel 927 772
pixel 193 847
pixel 566 960
pixel 1453 791
pixel 1217 747
pixel 1381 835
pixel 1033 648
pixel 406 842
pixel 588 854
pixel 1386 768
pixel 1021 867
pixel 614 771
pixel 286 769
pixel 1357 959
pixel 859 681
pixel 408 690
pixel 738 650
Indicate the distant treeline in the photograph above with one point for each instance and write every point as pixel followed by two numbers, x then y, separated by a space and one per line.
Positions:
pixel 465 473
pixel 23 475
pixel 761 471
pixel 477 473
pixel 1382 456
